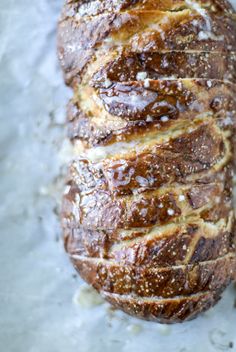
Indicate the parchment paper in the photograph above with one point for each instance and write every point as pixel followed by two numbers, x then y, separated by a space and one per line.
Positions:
pixel 44 307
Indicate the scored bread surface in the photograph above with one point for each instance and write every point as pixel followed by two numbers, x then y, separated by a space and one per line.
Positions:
pixel 147 213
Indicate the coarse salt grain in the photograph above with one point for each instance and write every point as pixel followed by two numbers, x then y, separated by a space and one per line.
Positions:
pixel 203 35
pixel 170 212
pixel 164 118
pixel 181 197
pixel 107 83
pixel 209 84
pixel 141 76
pixel 149 118
pixel 147 83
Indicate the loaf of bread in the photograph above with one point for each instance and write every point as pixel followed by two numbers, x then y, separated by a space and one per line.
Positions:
pixel 147 213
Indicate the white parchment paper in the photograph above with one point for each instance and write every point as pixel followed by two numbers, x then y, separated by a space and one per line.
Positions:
pixel 43 306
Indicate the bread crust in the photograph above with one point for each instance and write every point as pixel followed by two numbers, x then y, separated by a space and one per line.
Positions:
pixel 185 101
pixel 163 311
pixel 147 213
pixel 81 39
pixel 167 282
pixel 178 244
pixel 96 7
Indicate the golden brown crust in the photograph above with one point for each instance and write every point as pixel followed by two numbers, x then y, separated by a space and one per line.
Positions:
pixel 178 244
pixel 175 64
pixel 159 165
pixel 179 101
pixel 166 282
pixel 169 98
pixel 96 7
pixel 80 39
pixel 167 311
pixel 210 199
pixel 148 213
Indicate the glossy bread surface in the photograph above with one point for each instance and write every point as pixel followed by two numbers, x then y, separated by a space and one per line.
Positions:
pixel 147 212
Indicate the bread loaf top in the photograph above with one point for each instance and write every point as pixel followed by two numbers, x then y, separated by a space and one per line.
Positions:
pixel 148 213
